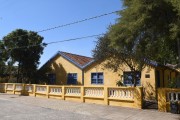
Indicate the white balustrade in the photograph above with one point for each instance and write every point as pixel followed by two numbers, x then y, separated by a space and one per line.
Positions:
pixel 18 87
pixel 9 87
pixel 173 96
pixel 41 89
pixel 120 93
pixel 94 92
pixel 55 90
pixel 73 91
pixel 29 88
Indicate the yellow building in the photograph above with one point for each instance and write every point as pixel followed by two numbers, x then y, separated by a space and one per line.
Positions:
pixel 72 69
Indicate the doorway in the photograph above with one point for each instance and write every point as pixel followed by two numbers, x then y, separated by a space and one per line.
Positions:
pixel 158 84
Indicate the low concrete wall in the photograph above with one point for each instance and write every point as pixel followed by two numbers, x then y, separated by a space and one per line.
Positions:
pixel 165 95
pixel 116 96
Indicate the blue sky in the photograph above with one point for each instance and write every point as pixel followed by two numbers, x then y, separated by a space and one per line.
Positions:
pixel 37 15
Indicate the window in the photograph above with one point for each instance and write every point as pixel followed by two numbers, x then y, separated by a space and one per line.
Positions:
pixel 147 75
pixel 52 78
pixel 72 78
pixel 96 78
pixel 128 78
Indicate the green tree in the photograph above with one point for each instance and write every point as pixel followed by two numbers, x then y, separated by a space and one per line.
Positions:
pixel 24 48
pixel 11 71
pixel 7 68
pixel 146 30
pixel 153 25
pixel 41 76
pixel 116 58
pixel 3 58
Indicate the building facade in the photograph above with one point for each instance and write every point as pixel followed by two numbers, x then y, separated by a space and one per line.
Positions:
pixel 72 69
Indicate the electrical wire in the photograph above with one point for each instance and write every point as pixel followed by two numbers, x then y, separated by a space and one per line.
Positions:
pixel 73 39
pixel 76 22
pixel 64 25
pixel 72 23
pixel 60 41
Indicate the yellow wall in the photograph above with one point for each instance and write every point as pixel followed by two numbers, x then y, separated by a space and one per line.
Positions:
pixel 61 67
pixel 110 77
pixel 163 102
pixel 149 84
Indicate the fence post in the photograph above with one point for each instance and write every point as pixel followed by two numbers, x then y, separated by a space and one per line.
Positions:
pixel 162 99
pixel 47 86
pixel 63 92
pixel 138 97
pixel 82 93
pixel 14 87
pixel 106 102
pixel 23 89
pixel 34 90
pixel 5 87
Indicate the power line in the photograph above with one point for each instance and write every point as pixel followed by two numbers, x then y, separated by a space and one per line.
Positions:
pixel 73 39
pixel 78 21
pixel 72 23
pixel 60 41
pixel 64 25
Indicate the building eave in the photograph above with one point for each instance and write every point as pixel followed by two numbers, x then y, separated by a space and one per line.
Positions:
pixel 68 59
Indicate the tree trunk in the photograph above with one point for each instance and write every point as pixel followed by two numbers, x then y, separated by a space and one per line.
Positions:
pixel 134 78
pixel 18 72
pixel 134 82
pixel 178 45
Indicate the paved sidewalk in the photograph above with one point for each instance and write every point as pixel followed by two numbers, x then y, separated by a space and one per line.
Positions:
pixel 15 107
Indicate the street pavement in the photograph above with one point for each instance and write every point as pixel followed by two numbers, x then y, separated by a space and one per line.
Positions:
pixel 15 107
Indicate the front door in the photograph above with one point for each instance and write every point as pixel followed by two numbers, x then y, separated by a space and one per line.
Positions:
pixel 157 79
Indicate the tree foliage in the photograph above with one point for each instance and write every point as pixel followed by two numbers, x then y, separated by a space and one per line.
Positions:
pixel 3 58
pixel 41 76
pixel 25 48
pixel 152 24
pixel 116 58
pixel 146 30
